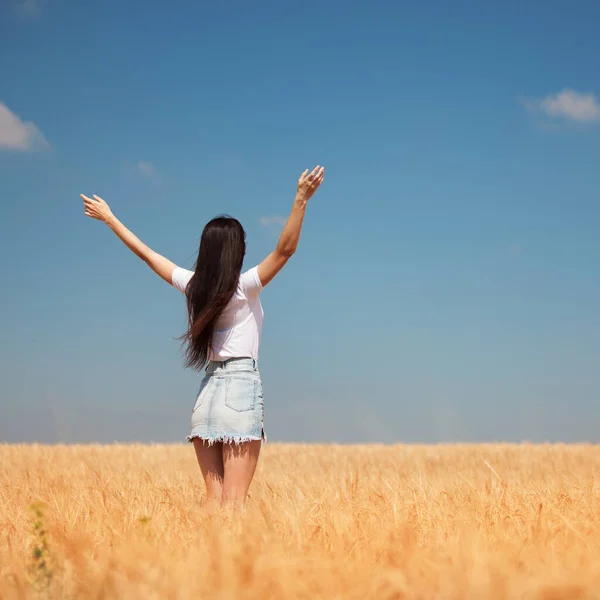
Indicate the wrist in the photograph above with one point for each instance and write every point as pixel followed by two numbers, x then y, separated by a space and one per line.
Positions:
pixel 110 221
pixel 300 201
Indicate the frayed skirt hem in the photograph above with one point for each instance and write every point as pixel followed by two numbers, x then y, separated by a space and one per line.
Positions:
pixel 226 439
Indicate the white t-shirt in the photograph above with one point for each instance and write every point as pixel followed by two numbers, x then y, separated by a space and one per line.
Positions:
pixel 239 327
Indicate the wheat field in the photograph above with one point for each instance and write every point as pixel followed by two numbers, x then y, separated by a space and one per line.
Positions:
pixel 385 522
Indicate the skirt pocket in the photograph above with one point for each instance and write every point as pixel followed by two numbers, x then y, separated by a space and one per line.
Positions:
pixel 241 393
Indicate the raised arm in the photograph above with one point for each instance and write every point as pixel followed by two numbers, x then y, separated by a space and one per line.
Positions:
pixel 288 241
pixel 97 208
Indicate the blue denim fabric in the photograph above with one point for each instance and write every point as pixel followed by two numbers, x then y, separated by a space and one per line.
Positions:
pixel 230 405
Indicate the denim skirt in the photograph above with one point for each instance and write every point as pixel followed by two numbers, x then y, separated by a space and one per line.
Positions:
pixel 230 406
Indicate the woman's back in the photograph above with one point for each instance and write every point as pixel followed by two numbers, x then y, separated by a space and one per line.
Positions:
pixel 238 328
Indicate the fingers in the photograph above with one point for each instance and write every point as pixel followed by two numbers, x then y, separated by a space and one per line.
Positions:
pixel 89 201
pixel 312 175
pixel 318 177
pixel 314 172
pixel 94 201
pixel 89 206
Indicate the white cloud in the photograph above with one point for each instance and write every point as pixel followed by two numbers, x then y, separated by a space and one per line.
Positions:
pixel 147 170
pixel 19 135
pixel 276 220
pixel 274 223
pixel 569 105
pixel 29 8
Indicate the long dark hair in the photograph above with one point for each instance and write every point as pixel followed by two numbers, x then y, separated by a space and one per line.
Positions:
pixel 217 272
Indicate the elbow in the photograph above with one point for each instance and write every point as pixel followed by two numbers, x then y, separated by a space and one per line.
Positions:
pixel 286 252
pixel 148 257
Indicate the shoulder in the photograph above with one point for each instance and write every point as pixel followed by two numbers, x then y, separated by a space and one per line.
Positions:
pixel 250 282
pixel 180 278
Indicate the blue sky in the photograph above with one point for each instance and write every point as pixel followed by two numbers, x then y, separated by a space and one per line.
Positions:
pixel 446 286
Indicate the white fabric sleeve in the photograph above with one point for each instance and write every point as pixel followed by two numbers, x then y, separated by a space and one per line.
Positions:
pixel 181 277
pixel 250 282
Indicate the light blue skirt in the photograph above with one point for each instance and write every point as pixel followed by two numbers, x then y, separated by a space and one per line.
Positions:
pixel 230 406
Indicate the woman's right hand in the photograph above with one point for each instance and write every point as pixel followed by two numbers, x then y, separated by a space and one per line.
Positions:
pixel 309 184
pixel 96 208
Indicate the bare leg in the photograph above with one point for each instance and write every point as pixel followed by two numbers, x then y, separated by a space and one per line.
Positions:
pixel 239 461
pixel 210 459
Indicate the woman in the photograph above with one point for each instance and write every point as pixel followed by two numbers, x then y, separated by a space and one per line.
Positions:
pixel 224 327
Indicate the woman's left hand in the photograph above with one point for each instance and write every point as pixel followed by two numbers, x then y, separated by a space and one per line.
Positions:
pixel 96 208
